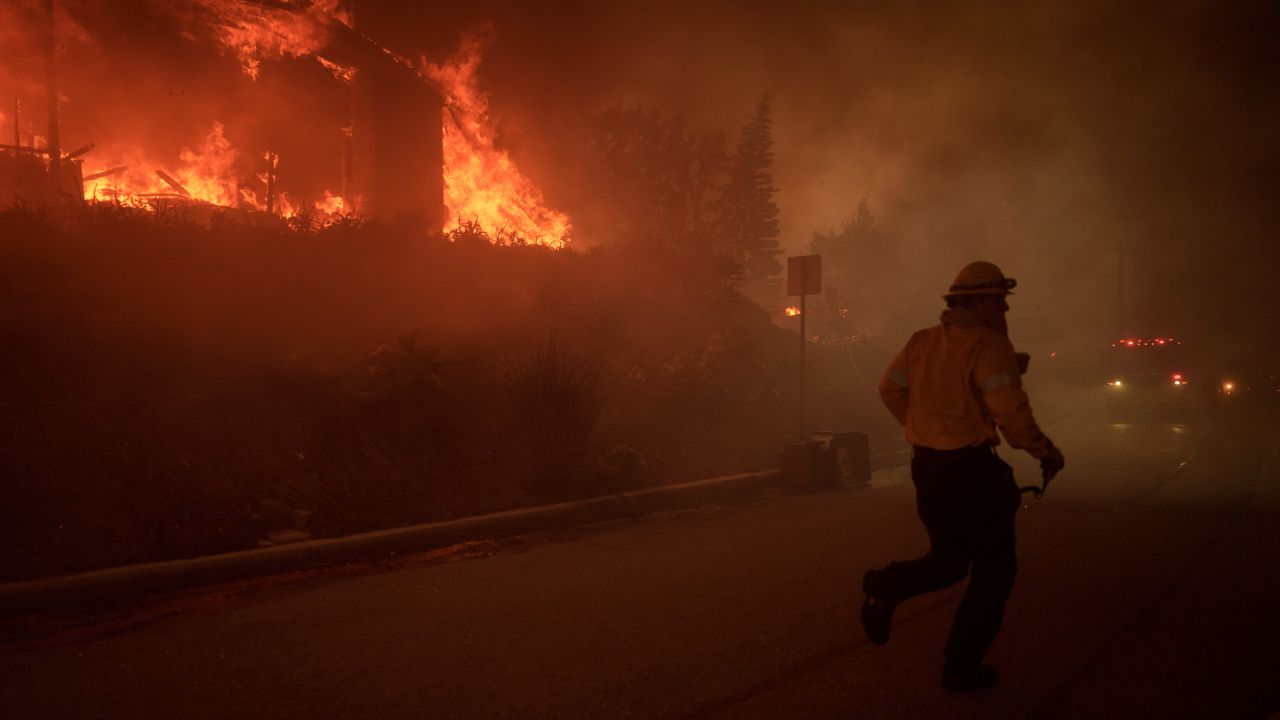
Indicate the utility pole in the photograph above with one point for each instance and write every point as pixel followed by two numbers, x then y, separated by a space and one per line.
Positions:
pixel 804 277
pixel 804 366
pixel 1120 286
pixel 51 89
pixel 1122 323
pixel 272 160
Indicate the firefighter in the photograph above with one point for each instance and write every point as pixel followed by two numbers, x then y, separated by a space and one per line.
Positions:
pixel 951 387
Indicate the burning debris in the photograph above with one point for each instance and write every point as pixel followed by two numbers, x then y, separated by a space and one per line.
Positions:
pixel 208 174
pixel 209 170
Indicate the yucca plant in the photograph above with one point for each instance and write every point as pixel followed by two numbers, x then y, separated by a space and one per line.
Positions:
pixel 553 402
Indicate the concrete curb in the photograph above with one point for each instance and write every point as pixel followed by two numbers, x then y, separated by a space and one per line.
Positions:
pixel 132 580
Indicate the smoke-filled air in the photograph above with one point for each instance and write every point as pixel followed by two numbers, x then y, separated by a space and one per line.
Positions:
pixel 290 271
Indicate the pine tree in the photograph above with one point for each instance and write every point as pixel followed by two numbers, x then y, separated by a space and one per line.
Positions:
pixel 862 265
pixel 750 216
pixel 655 190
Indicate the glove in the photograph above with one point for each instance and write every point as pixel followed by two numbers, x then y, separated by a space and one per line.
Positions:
pixel 1052 464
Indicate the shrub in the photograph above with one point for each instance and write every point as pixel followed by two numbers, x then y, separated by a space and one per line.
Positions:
pixel 553 402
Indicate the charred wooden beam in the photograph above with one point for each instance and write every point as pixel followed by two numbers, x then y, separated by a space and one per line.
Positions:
pixel 462 127
pixel 106 173
pixel 168 179
pixel 25 149
pixel 80 151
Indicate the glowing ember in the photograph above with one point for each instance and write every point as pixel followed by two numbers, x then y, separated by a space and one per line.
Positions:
pixel 792 311
pixel 481 183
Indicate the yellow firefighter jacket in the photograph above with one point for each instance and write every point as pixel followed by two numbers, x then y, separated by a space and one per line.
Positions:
pixel 954 383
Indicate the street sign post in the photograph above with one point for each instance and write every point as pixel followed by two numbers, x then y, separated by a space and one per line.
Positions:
pixel 804 277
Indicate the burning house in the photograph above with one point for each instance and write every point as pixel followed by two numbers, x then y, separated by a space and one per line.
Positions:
pixel 414 140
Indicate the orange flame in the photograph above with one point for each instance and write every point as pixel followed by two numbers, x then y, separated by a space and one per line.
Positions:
pixel 254 31
pixel 792 311
pixel 345 73
pixel 332 205
pixel 481 183
pixel 208 174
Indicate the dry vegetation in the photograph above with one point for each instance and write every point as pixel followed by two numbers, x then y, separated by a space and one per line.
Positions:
pixel 174 387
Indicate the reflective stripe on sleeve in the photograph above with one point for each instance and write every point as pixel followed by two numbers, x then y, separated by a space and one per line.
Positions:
pixel 995 381
pixel 898 378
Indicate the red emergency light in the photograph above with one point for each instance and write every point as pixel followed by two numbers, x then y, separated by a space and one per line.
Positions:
pixel 1144 342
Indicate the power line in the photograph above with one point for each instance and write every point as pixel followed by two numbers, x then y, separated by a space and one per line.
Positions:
pixel 993 221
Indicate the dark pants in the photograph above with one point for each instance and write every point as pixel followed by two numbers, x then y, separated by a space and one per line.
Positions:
pixel 967 499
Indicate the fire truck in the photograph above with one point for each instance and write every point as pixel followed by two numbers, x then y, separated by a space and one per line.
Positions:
pixel 1155 374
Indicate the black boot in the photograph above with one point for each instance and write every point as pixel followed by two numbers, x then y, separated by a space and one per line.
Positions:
pixel 974 677
pixel 877 609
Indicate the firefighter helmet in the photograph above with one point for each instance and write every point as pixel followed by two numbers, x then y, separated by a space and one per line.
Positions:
pixel 981 278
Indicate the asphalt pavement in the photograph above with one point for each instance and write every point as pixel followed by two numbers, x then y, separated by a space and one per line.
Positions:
pixel 1147 588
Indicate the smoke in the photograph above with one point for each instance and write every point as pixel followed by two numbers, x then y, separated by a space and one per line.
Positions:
pixel 1039 136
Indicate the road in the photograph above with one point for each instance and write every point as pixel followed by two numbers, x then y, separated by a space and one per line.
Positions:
pixel 1148 587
